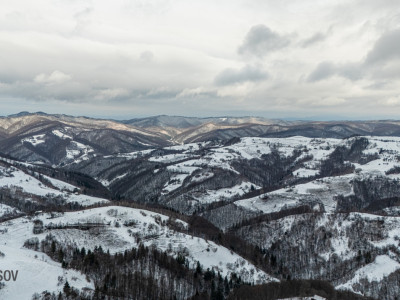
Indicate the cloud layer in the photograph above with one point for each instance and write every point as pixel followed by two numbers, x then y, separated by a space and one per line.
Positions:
pixel 312 58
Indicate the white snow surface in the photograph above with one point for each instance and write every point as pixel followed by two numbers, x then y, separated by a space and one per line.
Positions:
pixel 61 135
pixel 269 205
pixel 303 172
pixel 250 147
pixel 36 271
pixel 131 155
pixel 78 152
pixel 169 158
pixel 174 183
pixel 187 148
pixel 382 266
pixel 224 194
pixel 202 176
pixel 61 185
pixel 35 140
pixel 109 182
pixel 15 178
pixel 7 210
pixel 321 190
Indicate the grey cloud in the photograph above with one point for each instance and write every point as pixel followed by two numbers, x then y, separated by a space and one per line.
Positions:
pixel 316 38
pixel 8 78
pixel 385 71
pixel 71 92
pixel 324 70
pixel 245 74
pixel 147 56
pixel 261 40
pixel 352 71
pixel 82 20
pixel 386 48
pixel 377 85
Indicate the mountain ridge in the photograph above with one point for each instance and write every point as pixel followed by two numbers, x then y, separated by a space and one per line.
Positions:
pixel 57 138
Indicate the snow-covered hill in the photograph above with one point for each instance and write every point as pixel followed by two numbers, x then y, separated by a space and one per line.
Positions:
pixel 304 171
pixel 61 139
pixel 356 251
pixel 30 188
pixel 115 229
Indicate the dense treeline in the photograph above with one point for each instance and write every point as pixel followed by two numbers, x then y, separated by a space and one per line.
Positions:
pixel 292 288
pixel 269 171
pixel 17 198
pixel 300 251
pixel 199 226
pixel 370 194
pixel 142 273
pixel 340 160
pixel 299 210
pixel 220 179
pixel 146 273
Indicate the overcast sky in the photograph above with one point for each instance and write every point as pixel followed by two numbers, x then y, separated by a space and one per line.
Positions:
pixel 319 59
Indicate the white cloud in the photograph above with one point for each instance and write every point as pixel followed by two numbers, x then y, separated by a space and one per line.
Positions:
pixel 111 93
pixel 56 77
pixel 392 101
pixel 331 101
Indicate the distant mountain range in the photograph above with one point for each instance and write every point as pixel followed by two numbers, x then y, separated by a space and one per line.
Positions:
pixel 61 139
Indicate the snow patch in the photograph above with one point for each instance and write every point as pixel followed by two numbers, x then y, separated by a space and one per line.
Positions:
pixel 35 140
pixel 375 271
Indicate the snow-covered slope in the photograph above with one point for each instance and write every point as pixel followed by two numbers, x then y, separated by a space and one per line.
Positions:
pixel 152 229
pixel 118 229
pixel 249 164
pixel 381 267
pixel 355 251
pixel 319 193
pixel 13 178
pixel 61 140
pixel 6 210
pixel 36 271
